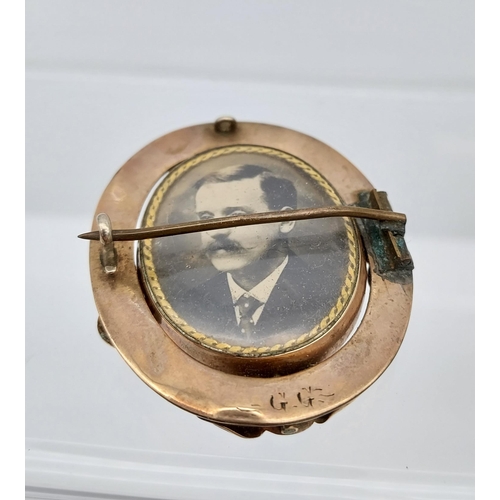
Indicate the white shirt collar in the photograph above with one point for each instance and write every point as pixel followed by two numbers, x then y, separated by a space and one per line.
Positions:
pixel 261 291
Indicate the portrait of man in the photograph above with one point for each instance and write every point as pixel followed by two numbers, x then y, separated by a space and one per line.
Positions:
pixel 256 286
pixel 261 288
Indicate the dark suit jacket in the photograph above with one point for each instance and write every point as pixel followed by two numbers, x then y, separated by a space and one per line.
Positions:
pixel 296 304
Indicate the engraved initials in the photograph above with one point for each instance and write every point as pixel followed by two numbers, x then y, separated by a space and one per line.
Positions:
pixel 281 402
pixel 307 397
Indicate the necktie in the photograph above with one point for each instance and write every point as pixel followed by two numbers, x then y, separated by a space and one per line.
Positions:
pixel 247 305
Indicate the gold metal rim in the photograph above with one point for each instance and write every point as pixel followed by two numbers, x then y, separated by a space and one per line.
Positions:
pixel 209 393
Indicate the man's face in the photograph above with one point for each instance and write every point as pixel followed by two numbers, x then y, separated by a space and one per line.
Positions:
pixel 235 248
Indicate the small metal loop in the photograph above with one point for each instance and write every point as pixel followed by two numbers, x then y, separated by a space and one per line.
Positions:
pixel 225 124
pixel 105 232
pixel 107 253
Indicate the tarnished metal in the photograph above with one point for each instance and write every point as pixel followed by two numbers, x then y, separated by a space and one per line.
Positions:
pixel 384 240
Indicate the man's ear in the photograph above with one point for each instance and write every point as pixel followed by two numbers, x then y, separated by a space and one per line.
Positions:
pixel 286 227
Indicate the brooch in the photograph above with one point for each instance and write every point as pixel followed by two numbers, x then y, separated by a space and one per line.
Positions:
pixel 250 275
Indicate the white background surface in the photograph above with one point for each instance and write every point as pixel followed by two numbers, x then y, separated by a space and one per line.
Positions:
pixel 389 84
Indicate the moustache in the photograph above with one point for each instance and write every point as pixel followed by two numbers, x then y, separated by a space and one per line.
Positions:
pixel 223 243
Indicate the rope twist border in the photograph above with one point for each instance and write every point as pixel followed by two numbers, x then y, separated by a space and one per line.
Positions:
pixel 183 326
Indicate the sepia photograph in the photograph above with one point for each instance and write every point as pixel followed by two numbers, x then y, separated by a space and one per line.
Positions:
pixel 258 285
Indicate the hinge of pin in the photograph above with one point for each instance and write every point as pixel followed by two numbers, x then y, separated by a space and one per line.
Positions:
pixel 384 240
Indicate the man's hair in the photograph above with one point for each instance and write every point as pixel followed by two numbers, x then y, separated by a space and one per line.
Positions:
pixel 278 192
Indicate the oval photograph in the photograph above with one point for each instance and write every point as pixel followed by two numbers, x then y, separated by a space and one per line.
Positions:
pixel 254 290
